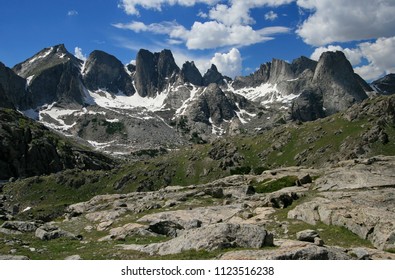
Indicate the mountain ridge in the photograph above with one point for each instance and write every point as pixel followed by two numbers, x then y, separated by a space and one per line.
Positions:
pixel 66 94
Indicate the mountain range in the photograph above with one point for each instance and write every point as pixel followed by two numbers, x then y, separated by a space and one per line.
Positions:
pixel 150 160
pixel 155 104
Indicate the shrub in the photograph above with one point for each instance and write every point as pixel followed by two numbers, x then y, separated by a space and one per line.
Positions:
pixel 242 170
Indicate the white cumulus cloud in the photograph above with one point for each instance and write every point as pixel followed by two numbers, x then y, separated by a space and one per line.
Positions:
pixel 229 23
pixel 271 16
pixel 229 64
pixel 380 56
pixel 344 21
pixel 72 13
pixel 238 12
pixel 207 35
pixel 78 53
pixel 130 6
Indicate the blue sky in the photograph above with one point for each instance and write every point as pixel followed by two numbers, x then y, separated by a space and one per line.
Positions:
pixel 236 35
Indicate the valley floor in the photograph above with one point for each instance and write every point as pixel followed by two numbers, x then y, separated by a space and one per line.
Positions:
pixel 340 212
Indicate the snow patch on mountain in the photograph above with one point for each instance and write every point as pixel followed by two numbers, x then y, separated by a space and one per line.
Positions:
pixel 243 115
pixel 38 57
pixel 57 114
pixel 29 80
pixel 193 95
pixel 105 99
pixel 257 93
pixel 265 94
pixel 216 130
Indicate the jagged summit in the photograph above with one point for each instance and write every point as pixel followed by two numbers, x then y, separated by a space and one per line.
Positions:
pixel 214 76
pixel 154 71
pixel 335 76
pixel 191 74
pixel 385 85
pixel 105 71
pixel 43 60
pixel 153 102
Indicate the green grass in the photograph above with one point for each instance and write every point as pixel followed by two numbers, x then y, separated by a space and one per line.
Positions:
pixel 330 234
pixel 275 185
pixel 193 165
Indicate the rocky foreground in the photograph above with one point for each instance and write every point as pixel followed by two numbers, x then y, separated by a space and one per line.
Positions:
pixel 343 212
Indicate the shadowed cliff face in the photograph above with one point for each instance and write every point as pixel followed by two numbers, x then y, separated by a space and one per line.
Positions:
pixel 53 75
pixel 154 71
pixel 143 105
pixel 27 148
pixel 385 85
pixel 335 77
pixel 12 88
pixel 104 71
pixel 191 74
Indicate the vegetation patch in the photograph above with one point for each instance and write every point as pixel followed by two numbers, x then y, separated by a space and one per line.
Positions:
pixel 241 170
pixel 276 185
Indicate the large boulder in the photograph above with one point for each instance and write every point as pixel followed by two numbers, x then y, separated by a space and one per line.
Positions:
pixel 21 226
pixel 50 231
pixel 210 238
pixel 290 250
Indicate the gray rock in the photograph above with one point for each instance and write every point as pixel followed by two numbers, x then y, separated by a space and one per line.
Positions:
pixel 360 253
pixel 318 241
pixel 13 89
pixel 49 232
pixel 167 228
pixel 212 237
pixel 369 213
pixel 56 77
pixel 306 179
pixel 335 77
pixel 307 235
pixel 212 76
pixel 73 258
pixel 13 257
pixel 22 226
pixel 206 215
pixel 191 74
pixel 308 106
pixel 103 70
pixel 289 250
pixel 385 85
pixel 215 193
pixel 154 71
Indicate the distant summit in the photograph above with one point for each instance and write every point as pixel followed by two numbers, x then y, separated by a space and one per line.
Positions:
pixel 155 103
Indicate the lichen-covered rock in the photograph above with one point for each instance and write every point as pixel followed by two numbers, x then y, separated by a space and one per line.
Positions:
pixel 50 231
pixel 212 237
pixel 290 250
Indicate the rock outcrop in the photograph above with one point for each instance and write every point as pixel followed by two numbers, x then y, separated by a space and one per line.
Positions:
pixel 290 250
pixel 104 71
pixel 53 75
pixel 214 76
pixel 12 89
pixel 210 238
pixel 154 71
pixel 191 74
pixel 335 77
pixel 385 85
pixel 28 148
pixel 358 198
